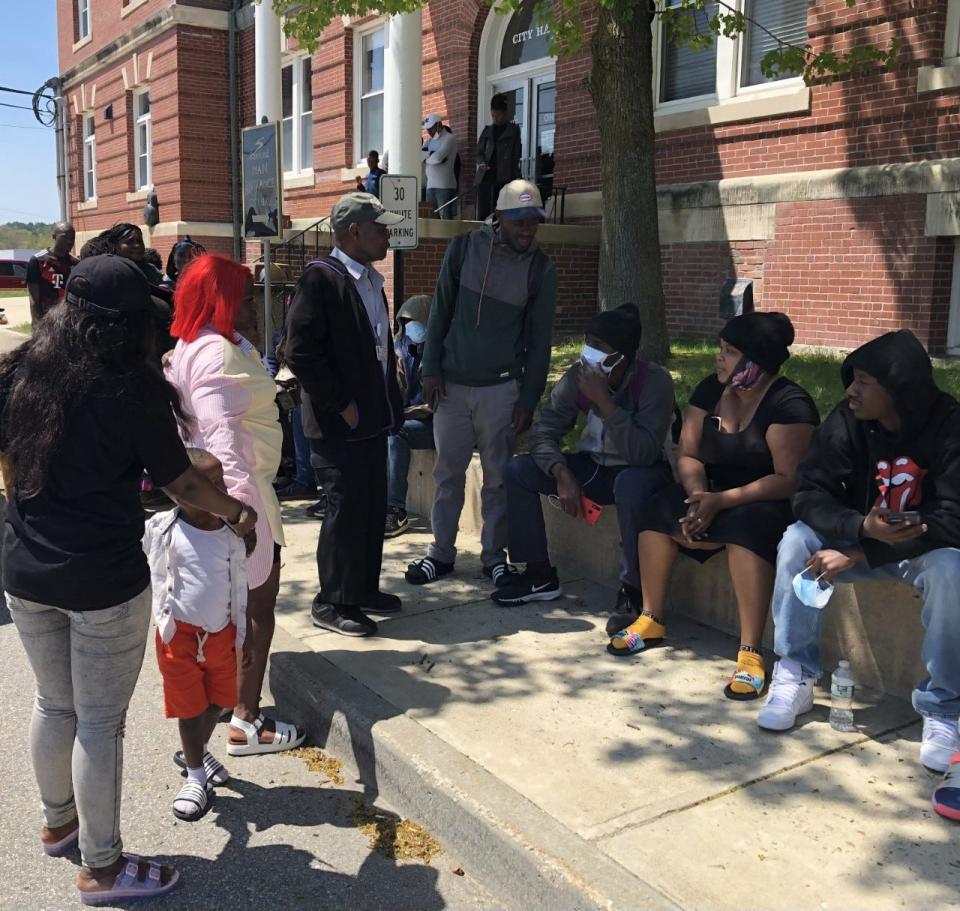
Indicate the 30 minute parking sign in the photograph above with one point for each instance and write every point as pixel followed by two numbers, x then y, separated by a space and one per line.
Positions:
pixel 400 194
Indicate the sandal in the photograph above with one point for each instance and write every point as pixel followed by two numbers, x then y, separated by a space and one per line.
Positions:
pixel 287 737
pixel 750 676
pixel 216 771
pixel 648 633
pixel 128 886
pixel 197 798
pixel 422 572
pixel 64 846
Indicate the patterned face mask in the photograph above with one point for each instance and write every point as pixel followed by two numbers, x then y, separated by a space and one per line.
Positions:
pixel 746 375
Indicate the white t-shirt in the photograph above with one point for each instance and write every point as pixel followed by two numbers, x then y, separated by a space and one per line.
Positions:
pixel 200 567
pixel 439 155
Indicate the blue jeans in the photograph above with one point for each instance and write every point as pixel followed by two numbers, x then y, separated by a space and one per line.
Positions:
pixel 438 198
pixel 626 486
pixel 413 435
pixel 301 447
pixel 935 575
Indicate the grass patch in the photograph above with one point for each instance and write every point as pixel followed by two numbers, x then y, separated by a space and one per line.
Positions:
pixel 12 292
pixel 23 328
pixel 393 837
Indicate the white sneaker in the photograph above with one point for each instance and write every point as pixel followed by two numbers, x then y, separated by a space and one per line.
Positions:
pixel 941 740
pixel 789 695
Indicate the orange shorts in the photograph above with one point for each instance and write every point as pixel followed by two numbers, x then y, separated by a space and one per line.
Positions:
pixel 190 687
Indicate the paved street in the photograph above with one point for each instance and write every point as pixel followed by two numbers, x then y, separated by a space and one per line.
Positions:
pixel 279 837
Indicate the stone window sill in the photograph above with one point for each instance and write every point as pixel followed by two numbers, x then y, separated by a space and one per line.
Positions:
pixel 139 195
pixel 131 7
pixel 87 205
pixel 83 42
pixel 935 78
pixel 744 107
pixel 299 181
pixel 350 175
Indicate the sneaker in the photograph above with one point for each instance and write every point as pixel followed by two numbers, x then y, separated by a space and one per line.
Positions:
pixel 295 491
pixel 789 695
pixel 940 741
pixel 342 618
pixel 317 510
pixel 427 570
pixel 501 574
pixel 525 588
pixel 946 798
pixel 397 523
pixel 625 611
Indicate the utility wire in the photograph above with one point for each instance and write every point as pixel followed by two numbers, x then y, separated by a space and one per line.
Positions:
pixel 19 107
pixel 5 88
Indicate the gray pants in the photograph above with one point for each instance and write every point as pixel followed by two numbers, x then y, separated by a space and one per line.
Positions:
pixel 86 664
pixel 469 416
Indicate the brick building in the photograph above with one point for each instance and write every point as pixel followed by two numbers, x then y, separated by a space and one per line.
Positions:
pixel 841 201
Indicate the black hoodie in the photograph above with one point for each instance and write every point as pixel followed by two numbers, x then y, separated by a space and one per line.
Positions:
pixel 855 465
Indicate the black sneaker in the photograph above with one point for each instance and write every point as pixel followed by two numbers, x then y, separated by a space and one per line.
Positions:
pixel 501 574
pixel 526 587
pixel 427 570
pixel 342 618
pixel 382 603
pixel 294 490
pixel 397 523
pixel 625 611
pixel 317 510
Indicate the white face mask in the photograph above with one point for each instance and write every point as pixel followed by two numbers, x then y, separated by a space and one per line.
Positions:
pixel 812 591
pixel 594 357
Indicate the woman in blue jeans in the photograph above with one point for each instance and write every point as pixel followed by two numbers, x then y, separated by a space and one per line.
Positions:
pixel 76 578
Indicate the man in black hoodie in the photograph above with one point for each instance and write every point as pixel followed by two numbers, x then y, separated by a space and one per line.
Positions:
pixel 878 497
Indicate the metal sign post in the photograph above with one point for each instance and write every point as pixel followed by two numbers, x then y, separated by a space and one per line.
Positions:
pixel 263 201
pixel 401 193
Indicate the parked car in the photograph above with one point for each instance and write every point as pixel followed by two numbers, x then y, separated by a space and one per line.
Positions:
pixel 13 274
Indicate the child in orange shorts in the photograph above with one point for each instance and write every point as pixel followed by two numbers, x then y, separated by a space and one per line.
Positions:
pixel 198 575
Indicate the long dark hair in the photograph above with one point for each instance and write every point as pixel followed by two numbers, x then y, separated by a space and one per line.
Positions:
pixel 71 356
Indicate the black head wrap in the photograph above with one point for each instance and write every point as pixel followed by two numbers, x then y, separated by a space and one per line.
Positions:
pixel 619 328
pixel 764 338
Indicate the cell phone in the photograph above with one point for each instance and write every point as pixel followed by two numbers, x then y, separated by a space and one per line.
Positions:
pixel 911 517
pixel 591 510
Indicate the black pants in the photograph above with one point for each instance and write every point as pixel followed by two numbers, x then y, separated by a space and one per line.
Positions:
pixel 487 193
pixel 350 550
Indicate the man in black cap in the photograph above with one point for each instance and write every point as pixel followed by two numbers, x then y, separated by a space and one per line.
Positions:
pixel 619 457
pixel 339 347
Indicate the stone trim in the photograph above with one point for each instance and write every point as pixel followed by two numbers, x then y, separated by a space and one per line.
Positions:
pixel 87 205
pixel 83 42
pixel 193 228
pixel 131 7
pixel 943 215
pixel 299 181
pixel 734 110
pixel 937 78
pixel 139 195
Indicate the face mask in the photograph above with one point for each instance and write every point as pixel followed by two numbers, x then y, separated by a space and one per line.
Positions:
pixel 416 332
pixel 746 375
pixel 594 357
pixel 812 591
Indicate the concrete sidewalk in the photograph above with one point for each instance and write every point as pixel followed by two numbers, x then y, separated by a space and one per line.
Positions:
pixel 572 779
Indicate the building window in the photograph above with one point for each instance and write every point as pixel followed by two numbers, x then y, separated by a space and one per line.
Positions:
pixel 83 19
pixel 687 72
pixel 142 141
pixel 89 158
pixel 297 116
pixel 785 19
pixel 369 94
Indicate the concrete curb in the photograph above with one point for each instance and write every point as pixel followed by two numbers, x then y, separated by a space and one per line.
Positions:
pixel 521 854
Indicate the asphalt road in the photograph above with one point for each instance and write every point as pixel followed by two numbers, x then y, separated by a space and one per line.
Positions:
pixel 278 838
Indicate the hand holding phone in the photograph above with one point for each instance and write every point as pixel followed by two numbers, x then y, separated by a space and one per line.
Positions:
pixel 911 517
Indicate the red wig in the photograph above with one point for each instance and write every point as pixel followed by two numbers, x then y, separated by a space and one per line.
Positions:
pixel 208 294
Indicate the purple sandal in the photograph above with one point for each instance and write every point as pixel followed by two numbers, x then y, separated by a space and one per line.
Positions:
pixel 64 846
pixel 129 887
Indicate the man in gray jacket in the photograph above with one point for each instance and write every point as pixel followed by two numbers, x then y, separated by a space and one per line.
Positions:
pixel 619 457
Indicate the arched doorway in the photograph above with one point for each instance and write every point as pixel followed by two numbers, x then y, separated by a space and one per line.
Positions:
pixel 515 59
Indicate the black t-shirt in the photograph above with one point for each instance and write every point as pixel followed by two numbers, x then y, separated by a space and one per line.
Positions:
pixel 50 273
pixel 77 544
pixel 735 459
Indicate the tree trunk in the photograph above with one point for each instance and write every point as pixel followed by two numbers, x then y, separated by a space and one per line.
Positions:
pixel 621 85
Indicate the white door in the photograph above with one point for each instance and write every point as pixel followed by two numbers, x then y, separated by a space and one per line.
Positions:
pixel 517 92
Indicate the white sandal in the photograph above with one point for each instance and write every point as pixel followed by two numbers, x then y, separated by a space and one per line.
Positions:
pixel 287 737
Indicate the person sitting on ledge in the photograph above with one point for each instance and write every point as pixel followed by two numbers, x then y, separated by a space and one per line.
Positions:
pixel 745 431
pixel 877 498
pixel 619 457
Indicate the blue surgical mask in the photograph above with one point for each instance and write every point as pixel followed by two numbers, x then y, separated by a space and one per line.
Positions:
pixel 594 357
pixel 416 332
pixel 814 591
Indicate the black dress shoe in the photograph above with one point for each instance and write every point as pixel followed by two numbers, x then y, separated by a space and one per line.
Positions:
pixel 344 619
pixel 625 611
pixel 382 603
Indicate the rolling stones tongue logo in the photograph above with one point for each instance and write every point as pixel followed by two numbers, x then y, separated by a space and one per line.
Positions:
pixel 900 483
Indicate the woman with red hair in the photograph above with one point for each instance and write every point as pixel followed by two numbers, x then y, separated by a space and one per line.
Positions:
pixel 224 385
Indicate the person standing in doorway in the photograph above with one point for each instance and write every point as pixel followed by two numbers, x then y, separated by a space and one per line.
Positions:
pixel 484 369
pixel 47 272
pixel 498 156
pixel 440 158
pixel 339 347
pixel 371 183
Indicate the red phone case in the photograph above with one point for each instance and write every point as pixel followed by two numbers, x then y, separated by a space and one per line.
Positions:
pixel 591 510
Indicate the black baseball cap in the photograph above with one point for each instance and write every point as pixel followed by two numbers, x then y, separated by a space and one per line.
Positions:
pixel 112 287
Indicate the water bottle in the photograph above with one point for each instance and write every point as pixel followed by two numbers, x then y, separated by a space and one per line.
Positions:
pixel 841 698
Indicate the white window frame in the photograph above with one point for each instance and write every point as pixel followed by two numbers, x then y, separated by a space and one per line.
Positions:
pixel 89 158
pixel 360 153
pixel 727 83
pixel 297 115
pixel 951 41
pixel 83 16
pixel 145 120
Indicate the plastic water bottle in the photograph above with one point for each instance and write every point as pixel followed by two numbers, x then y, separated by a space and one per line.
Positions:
pixel 841 698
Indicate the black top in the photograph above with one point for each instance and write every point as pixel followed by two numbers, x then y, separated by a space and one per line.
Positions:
pixel 735 459
pixel 50 273
pixel 76 545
